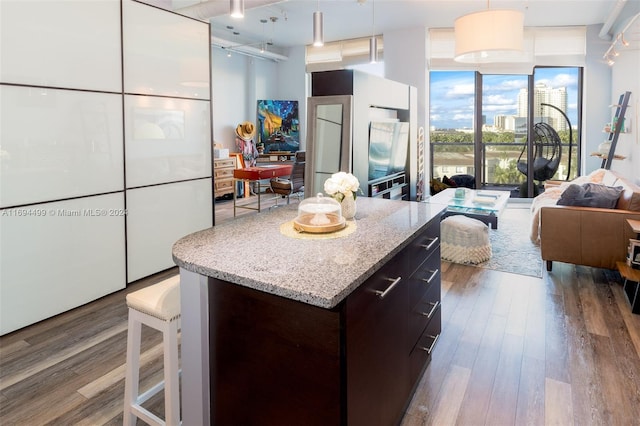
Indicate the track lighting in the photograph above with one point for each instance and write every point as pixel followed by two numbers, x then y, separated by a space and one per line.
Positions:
pixel 624 42
pixel 237 8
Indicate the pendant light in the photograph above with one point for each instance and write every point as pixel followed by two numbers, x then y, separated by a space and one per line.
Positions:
pixel 237 8
pixel 318 31
pixel 489 36
pixel 373 41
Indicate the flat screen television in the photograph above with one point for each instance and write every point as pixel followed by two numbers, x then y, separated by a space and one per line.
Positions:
pixel 388 148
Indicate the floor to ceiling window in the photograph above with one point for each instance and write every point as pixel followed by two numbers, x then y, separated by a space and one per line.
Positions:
pixel 488 139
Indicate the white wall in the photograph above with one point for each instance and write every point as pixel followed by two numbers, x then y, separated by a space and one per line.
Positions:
pixel 240 81
pixel 411 69
pixel 625 78
pixel 597 98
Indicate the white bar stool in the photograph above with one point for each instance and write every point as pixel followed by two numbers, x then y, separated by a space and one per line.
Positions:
pixel 158 307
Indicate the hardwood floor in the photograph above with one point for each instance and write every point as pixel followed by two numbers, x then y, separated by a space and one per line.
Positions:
pixel 514 350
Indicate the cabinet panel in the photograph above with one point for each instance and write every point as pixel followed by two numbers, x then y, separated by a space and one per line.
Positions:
pixel 276 361
pixel 71 44
pixel 377 372
pixel 57 256
pixel 165 54
pixel 59 144
pixel 160 215
pixel 167 140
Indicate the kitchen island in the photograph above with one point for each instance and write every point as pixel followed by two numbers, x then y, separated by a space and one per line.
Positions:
pixel 285 328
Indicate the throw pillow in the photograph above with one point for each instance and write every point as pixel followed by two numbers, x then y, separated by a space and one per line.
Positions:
pixel 437 186
pixel 451 183
pixel 590 195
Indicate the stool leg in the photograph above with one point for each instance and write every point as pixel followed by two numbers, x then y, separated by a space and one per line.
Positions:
pixel 132 374
pixel 171 374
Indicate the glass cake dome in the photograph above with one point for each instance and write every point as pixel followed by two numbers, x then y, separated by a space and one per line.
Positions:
pixel 319 214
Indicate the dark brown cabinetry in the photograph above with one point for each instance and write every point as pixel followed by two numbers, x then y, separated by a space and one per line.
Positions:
pixel 279 361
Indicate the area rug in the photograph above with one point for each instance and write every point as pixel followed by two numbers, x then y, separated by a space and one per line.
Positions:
pixel 511 249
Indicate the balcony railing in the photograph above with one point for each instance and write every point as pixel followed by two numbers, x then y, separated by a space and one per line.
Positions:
pixel 499 162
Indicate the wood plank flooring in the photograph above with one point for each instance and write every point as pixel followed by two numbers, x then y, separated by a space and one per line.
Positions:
pixel 515 350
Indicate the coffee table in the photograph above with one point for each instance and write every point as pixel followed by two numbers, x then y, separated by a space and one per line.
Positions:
pixel 484 205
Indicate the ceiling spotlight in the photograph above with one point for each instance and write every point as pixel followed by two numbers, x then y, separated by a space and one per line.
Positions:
pixel 237 8
pixel 318 31
pixel 614 52
pixel 610 61
pixel 373 50
pixel 623 41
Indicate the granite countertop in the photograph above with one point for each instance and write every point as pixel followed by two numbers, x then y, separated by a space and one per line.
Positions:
pixel 253 252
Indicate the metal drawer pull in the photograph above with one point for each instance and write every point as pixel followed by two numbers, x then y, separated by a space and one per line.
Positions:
pixel 394 282
pixel 433 344
pixel 434 306
pixel 428 246
pixel 433 275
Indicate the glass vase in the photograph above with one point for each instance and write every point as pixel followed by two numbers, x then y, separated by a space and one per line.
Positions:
pixel 348 207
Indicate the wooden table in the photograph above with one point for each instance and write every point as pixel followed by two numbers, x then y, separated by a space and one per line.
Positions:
pixel 255 175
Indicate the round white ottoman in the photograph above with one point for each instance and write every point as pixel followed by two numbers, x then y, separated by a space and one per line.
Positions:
pixel 464 240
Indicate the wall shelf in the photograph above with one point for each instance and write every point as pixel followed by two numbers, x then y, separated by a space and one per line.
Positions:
pixel 606 156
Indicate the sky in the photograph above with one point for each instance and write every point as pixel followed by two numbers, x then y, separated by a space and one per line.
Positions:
pixel 452 95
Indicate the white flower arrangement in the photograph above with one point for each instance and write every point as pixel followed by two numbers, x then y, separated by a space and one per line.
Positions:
pixel 341 185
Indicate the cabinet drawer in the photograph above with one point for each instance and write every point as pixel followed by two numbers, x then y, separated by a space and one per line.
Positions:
pixel 224 185
pixel 227 162
pixel 426 276
pixel 421 353
pixel 378 288
pixel 223 173
pixel 424 311
pixel 423 246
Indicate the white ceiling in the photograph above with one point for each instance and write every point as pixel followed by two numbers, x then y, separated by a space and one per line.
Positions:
pixel 346 19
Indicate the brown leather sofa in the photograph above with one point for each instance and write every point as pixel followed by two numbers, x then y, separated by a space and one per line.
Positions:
pixel 596 237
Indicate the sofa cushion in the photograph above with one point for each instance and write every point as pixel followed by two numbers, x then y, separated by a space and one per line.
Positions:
pixel 630 197
pixel 629 200
pixel 590 195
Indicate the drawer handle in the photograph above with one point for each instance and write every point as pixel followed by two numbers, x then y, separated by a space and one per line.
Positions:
pixel 394 282
pixel 431 277
pixel 433 344
pixel 428 246
pixel 434 306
